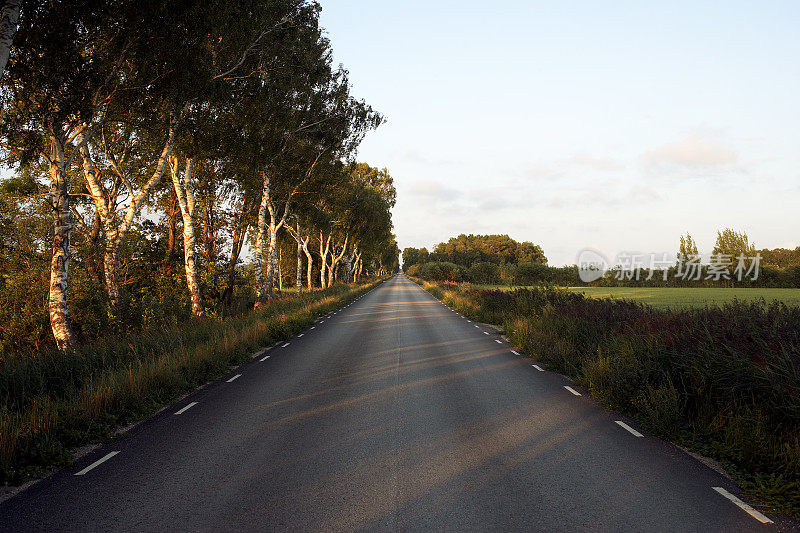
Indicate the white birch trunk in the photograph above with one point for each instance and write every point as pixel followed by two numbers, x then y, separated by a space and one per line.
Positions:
pixel 335 261
pixel 261 289
pixel 186 200
pixel 299 279
pixel 62 231
pixel 115 229
pixel 323 252
pixel 309 265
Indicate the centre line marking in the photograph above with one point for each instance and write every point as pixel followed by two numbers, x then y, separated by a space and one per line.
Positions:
pixel 746 508
pixel 515 352
pixel 321 321
pixel 264 358
pixel 485 332
pixel 234 377
pixel 313 327
pixel 96 463
pixel 498 341
pixel 285 345
pixel 573 391
pixel 540 369
pixel 629 429
pixel 181 411
pixel 476 326
pixel 301 334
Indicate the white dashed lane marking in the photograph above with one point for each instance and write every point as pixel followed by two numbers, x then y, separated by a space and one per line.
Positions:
pixel 285 345
pixel 540 369
pixel 515 352
pixel 573 391
pixel 628 428
pixel 746 508
pixel 181 411
pixel 233 378
pixel 498 341
pixel 97 463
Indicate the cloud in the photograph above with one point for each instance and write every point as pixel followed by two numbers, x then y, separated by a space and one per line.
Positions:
pixel 693 152
pixel 604 164
pixel 433 190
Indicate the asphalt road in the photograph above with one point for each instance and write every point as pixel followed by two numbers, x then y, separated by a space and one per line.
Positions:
pixel 395 413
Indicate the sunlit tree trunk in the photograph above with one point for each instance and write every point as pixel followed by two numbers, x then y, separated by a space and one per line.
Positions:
pixel 114 228
pixel 299 279
pixel 185 193
pixel 261 289
pixel 323 253
pixel 62 231
pixel 335 261
pixel 309 265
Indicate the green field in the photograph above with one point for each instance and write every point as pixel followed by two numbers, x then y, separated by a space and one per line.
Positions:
pixel 681 297
pixel 678 297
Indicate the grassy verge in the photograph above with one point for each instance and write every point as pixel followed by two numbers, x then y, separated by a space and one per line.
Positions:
pixel 56 402
pixel 723 381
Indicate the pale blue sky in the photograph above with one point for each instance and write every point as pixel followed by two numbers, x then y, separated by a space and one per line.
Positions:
pixel 617 125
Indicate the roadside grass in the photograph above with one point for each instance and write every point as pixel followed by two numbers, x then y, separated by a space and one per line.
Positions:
pixel 722 380
pixel 54 402
pixel 680 297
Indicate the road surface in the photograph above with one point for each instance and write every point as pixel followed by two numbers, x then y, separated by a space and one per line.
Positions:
pixel 394 413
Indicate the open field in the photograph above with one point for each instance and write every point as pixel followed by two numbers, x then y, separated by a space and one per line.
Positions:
pixel 681 297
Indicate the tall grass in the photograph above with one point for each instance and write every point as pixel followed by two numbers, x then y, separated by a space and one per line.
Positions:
pixel 724 381
pixel 53 402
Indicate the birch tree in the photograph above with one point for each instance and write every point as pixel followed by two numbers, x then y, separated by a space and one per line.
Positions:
pixel 47 104
pixel 184 190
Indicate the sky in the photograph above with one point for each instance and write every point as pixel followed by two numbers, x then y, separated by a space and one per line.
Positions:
pixel 612 125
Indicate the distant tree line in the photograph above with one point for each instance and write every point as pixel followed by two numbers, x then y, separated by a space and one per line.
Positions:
pixel 151 143
pixel 475 259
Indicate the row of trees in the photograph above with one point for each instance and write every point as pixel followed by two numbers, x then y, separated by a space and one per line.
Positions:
pixel 466 250
pixel 225 120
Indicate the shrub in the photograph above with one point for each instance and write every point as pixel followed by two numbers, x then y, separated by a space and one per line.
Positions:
pixel 484 273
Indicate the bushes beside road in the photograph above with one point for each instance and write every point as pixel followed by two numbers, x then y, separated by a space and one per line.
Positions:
pixel 56 401
pixel 724 381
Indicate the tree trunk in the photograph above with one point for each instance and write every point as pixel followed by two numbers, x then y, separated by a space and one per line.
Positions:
pixel 272 260
pixel 171 227
pixel 261 289
pixel 59 265
pixel 335 261
pixel 9 17
pixel 114 229
pixel 323 253
pixel 309 265
pixel 185 194
pixel 299 280
pixel 279 271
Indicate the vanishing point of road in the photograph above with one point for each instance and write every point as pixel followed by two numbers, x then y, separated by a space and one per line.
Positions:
pixel 394 413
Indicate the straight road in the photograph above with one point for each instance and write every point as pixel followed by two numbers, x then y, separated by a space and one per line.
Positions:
pixel 394 413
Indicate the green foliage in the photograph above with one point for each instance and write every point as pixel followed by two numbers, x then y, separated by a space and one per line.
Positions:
pixel 687 249
pixel 732 243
